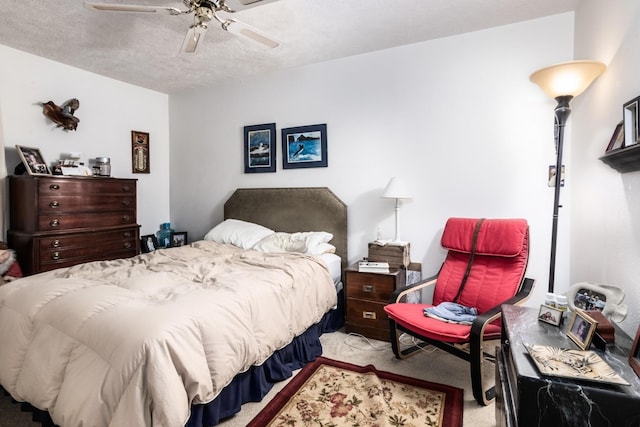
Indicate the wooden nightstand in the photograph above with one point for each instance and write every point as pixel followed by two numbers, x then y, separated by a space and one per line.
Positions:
pixel 366 295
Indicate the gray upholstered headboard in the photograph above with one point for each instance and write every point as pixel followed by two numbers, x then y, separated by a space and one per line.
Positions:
pixel 291 210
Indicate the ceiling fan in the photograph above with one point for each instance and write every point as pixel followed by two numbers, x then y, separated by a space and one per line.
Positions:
pixel 203 12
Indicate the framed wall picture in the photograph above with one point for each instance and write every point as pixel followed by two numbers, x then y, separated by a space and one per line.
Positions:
pixel 550 315
pixel 634 355
pixel 617 139
pixel 33 161
pixel 260 148
pixel 178 238
pixel 148 243
pixel 581 329
pixel 630 121
pixel 304 147
pixel 140 154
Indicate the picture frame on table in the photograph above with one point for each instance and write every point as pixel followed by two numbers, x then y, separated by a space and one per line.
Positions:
pixel 581 329
pixel 304 147
pixel 617 139
pixel 140 152
pixel 634 354
pixel 550 315
pixel 260 148
pixel 148 243
pixel 178 238
pixel 33 160
pixel 630 119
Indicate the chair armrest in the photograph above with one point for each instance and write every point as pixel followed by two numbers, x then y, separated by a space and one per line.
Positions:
pixel 401 292
pixel 493 313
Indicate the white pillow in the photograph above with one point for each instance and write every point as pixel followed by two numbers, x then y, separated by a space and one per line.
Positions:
pixel 239 233
pixel 310 242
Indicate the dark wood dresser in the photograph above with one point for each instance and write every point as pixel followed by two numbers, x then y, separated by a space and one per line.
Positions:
pixel 60 221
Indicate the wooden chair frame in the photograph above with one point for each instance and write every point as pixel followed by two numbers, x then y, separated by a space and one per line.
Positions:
pixel 475 353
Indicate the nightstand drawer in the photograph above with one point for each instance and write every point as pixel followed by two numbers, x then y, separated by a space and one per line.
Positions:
pixel 367 313
pixel 371 286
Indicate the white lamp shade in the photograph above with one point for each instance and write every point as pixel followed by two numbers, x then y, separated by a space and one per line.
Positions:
pixel 567 78
pixel 396 189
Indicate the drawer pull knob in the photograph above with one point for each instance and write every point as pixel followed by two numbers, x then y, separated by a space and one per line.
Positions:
pixel 126 188
pixel 369 315
pixel 55 243
pixel 127 245
pixel 54 223
pixel 125 218
pixel 126 234
pixel 54 187
pixel 126 203
pixel 54 204
pixel 368 288
pixel 55 256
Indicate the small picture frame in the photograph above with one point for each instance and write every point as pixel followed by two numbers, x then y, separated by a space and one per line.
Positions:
pixel 148 243
pixel 178 238
pixel 260 148
pixel 140 152
pixel 630 120
pixel 550 315
pixel 304 147
pixel 33 161
pixel 581 329
pixel 617 139
pixel 634 355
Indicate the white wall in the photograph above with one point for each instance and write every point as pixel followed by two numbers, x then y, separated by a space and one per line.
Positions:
pixel 605 246
pixel 109 111
pixel 456 117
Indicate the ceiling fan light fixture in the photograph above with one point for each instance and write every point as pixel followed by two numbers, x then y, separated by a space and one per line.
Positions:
pixel 194 37
pixel 251 33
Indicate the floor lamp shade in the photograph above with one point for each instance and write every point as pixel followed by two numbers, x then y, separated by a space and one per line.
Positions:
pixel 563 82
pixel 397 189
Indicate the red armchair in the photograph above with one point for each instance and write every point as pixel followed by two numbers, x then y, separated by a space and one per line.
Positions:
pixel 484 268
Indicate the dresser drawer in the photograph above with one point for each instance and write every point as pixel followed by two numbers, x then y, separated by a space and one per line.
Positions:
pixel 371 286
pixel 85 203
pixel 86 186
pixel 85 220
pixel 367 313
pixel 74 248
pixel 70 241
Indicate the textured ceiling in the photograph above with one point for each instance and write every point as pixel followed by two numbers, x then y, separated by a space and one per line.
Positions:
pixel 143 48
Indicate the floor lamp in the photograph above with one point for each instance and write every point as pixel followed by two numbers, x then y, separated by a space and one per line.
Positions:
pixel 396 189
pixel 563 82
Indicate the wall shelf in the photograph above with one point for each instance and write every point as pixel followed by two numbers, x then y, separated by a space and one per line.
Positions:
pixel 624 159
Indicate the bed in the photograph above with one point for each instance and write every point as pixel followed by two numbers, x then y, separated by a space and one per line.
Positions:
pixel 102 344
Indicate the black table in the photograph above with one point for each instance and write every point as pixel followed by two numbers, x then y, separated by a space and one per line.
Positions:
pixel 526 398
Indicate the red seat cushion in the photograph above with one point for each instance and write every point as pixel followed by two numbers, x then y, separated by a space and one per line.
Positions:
pixel 411 316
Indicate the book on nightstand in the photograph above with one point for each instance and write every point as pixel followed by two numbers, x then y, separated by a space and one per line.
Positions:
pixel 373 267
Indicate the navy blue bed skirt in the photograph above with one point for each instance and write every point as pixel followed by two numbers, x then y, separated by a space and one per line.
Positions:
pixel 254 384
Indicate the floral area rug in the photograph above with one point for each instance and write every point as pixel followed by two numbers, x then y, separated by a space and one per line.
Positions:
pixel 329 393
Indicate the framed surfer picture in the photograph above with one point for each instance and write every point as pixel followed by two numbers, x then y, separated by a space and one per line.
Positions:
pixel 260 148
pixel 304 147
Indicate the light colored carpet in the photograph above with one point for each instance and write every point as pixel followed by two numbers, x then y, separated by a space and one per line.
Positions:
pixel 432 365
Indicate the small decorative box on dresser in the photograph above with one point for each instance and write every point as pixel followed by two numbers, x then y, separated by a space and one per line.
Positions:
pixel 60 221
pixel 367 294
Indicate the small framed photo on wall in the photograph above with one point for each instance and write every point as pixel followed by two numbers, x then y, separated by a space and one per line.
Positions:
pixel 140 154
pixel 630 119
pixel 304 147
pixel 260 148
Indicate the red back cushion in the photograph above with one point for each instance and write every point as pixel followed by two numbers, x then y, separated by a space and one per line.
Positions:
pixel 499 264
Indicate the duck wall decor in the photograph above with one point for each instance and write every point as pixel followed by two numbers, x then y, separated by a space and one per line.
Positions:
pixel 62 116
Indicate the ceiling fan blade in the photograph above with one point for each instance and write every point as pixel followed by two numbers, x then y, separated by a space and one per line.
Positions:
pixel 252 33
pixel 194 36
pixel 133 8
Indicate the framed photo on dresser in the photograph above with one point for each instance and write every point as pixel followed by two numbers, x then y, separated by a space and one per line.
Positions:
pixel 33 161
pixel 634 355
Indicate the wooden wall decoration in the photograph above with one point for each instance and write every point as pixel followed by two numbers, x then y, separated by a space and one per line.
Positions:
pixel 140 155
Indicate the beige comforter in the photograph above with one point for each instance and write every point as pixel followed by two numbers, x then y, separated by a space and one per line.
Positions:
pixel 134 342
